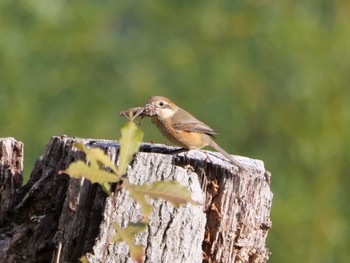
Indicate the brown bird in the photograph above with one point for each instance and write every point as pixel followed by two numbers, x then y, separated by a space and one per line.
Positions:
pixel 182 129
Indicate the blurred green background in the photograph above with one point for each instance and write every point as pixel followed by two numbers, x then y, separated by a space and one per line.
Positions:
pixel 272 77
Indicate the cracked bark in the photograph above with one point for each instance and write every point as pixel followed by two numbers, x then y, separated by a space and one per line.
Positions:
pixel 11 169
pixel 53 210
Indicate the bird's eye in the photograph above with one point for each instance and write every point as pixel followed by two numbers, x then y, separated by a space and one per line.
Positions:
pixel 161 104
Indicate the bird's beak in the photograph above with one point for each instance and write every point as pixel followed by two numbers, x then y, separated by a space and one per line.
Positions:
pixel 150 109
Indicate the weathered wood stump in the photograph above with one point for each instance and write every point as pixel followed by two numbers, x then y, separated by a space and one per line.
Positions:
pixel 54 215
pixel 11 169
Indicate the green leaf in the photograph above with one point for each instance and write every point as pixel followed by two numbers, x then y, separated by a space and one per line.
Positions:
pixel 84 259
pixel 80 169
pixel 106 187
pixel 96 157
pixel 170 191
pixel 80 146
pixel 139 197
pixel 129 145
pixel 128 235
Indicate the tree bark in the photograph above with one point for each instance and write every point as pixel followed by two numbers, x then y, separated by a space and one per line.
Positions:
pixel 11 169
pixel 56 216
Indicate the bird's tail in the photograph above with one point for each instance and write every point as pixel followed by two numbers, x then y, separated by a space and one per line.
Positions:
pixel 227 155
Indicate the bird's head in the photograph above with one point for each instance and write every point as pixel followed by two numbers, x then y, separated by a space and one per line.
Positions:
pixel 161 107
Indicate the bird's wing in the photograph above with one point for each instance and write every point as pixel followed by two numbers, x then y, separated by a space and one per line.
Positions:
pixel 184 121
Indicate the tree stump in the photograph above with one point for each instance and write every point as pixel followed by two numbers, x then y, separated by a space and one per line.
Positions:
pixel 11 169
pixel 54 216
